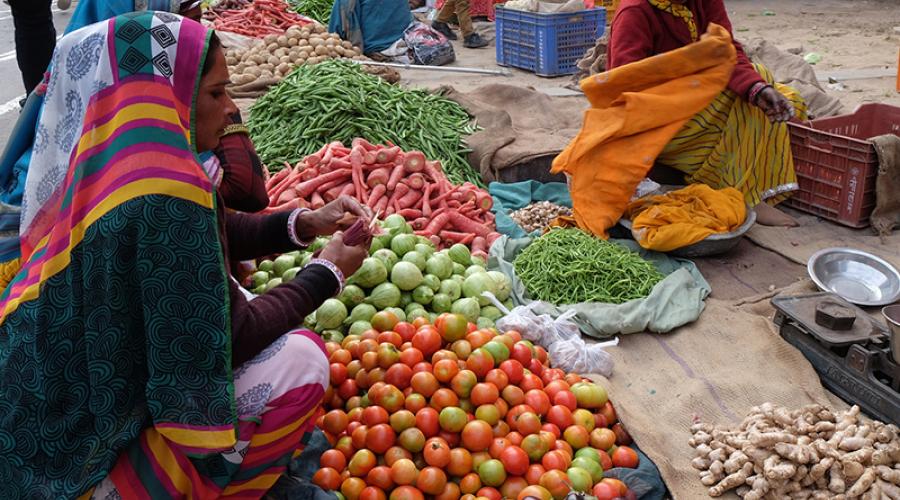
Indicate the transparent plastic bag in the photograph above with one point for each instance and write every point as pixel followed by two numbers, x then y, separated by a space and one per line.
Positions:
pixel 561 337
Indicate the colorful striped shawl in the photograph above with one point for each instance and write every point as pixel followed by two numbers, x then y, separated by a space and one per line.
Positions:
pixel 118 318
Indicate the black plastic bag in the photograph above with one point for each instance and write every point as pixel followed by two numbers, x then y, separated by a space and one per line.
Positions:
pixel 427 47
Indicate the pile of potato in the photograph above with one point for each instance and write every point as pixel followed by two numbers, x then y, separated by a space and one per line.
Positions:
pixel 276 55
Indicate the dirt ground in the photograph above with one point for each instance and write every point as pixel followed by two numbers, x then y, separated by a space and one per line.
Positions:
pixel 854 38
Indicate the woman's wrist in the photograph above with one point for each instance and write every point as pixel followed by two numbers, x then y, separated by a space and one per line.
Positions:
pixel 338 275
pixel 755 91
pixel 294 228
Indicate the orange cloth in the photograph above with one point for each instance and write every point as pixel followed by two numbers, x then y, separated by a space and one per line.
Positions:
pixel 636 109
pixel 684 217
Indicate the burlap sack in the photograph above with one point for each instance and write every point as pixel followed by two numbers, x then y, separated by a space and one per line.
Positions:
pixel 886 215
pixel 716 369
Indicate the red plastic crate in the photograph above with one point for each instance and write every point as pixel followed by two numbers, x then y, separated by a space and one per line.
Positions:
pixel 837 165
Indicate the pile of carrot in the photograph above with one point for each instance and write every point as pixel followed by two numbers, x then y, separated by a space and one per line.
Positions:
pixel 258 19
pixel 389 181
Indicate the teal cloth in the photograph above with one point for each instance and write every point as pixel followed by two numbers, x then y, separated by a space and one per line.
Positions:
pixel 515 195
pixel 675 301
pixel 373 25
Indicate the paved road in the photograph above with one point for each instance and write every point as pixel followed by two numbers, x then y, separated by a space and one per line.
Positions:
pixel 11 89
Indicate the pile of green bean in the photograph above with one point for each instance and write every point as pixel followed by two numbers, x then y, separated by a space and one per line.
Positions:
pixel 320 10
pixel 567 266
pixel 336 101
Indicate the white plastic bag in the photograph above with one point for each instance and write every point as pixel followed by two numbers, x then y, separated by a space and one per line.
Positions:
pixel 561 337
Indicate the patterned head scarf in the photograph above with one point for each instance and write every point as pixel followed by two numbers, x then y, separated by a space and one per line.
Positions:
pixel 118 318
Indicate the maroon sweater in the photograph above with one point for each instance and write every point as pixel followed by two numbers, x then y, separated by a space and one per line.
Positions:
pixel 256 324
pixel 243 183
pixel 640 30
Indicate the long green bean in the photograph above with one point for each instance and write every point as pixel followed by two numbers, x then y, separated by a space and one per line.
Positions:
pixel 567 266
pixel 320 10
pixel 336 101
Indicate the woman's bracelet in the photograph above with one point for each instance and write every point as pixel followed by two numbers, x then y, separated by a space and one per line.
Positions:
pixel 756 90
pixel 235 128
pixel 292 228
pixel 334 270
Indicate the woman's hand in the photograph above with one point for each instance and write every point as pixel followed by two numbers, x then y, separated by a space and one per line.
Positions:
pixel 776 106
pixel 337 215
pixel 347 259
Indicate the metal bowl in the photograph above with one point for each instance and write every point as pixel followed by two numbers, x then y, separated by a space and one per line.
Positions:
pixel 857 276
pixel 713 244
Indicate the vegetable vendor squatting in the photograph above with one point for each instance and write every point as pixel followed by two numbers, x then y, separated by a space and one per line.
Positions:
pixel 131 364
pixel 740 140
pixel 243 182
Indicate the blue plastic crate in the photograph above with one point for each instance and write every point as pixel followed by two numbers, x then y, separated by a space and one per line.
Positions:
pixel 546 44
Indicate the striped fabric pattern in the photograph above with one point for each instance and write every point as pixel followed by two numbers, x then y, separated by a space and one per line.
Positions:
pixel 732 143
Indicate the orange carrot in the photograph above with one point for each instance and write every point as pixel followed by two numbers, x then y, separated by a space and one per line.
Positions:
pixel 415 181
pixel 410 213
pixel 379 176
pixel 281 174
pixel 381 206
pixel 479 244
pixel 491 238
pixel 364 144
pixel 396 175
pixel 307 188
pixel 420 223
pixel 409 199
pixel 376 195
pixel 387 155
pixel 414 161
pixel 316 201
pixel 438 222
pixel 426 203
pixel 465 224
pixel 456 237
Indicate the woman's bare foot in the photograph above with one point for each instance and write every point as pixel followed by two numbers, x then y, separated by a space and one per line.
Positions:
pixel 768 215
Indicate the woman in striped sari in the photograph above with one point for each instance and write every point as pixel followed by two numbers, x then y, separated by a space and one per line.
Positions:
pixel 740 140
pixel 130 365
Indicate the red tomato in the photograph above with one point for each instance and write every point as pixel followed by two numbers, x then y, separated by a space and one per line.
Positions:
pixel 345 446
pixel 431 480
pixel 405 330
pixel 531 382
pixel 424 366
pixel 552 374
pixel 353 368
pixel 515 460
pixel 603 439
pixel 577 436
pixel 396 453
pixel 442 355
pixel 502 406
pixel 348 389
pixel 420 322
pixel 513 370
pixel 407 492
pixel 398 375
pixel 338 373
pixel 372 493
pixel 528 423
pixel 522 353
pixel 341 356
pixel 535 447
pixel 477 435
pixel 380 477
pixel 359 437
pixel 392 399
pixel 484 393
pixel 490 413
pixel 480 362
pixel 554 387
pixel 463 383
pixel 424 383
pixel 615 483
pixel 608 412
pixel 452 327
pixel 460 462
pixel 362 462
pixel 513 395
pixel 444 398
pixel 564 447
pixel 515 438
pixel 625 457
pixel 462 348
pixel 605 461
pixel 370 359
pixel 427 421
pixel 534 473
pixel 451 492
pixel 622 436
pixel 327 478
pixel 513 414
pixel 489 493
pixel 541 354
pixel 452 438
pixel 552 429
pixel 498 378
pixel 390 337
pixel 445 370
pixel 560 416
pixel 412 356
pixel 535 491
pixel 415 402
pixel 556 482
pixel 334 459
pixel 567 399
pixel 605 491
pixel 436 453
pixel 470 483
pixel 536 367
pixel 352 487
pixel 555 460
pixel 335 422
pixel 380 438
pixel 404 472
pixel 498 445
pixel 478 338
pixel 375 415
pixel 513 486
pixel 427 340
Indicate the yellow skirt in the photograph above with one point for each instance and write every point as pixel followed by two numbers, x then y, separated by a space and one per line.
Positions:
pixel 732 143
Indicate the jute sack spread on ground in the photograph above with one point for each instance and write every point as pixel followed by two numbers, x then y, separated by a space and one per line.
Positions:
pixel 519 124
pixel 717 368
pixel 800 243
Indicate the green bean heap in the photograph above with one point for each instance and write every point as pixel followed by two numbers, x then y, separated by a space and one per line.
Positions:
pixel 566 266
pixel 320 10
pixel 336 101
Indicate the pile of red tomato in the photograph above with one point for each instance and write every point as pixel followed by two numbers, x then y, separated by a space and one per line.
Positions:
pixel 451 412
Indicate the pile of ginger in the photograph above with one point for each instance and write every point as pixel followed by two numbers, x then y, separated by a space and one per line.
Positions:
pixel 809 453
